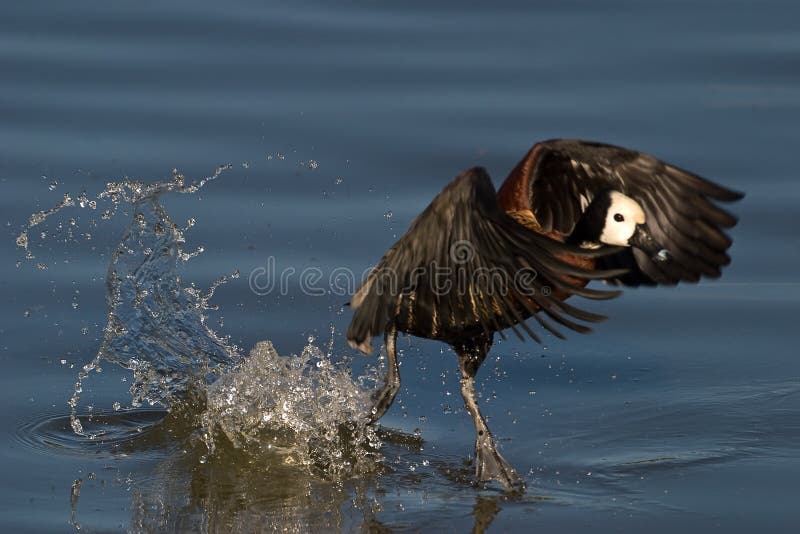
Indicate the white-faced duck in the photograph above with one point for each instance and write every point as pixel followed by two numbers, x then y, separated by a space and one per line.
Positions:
pixel 479 261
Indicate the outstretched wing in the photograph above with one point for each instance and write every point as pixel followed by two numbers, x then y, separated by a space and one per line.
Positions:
pixel 557 179
pixel 465 267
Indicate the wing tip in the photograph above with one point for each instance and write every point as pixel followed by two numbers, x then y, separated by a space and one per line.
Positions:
pixel 734 195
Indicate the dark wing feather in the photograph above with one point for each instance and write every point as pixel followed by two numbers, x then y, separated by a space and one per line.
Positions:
pixel 560 177
pixel 464 268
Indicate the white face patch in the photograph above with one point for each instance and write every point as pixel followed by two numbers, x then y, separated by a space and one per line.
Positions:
pixel 623 215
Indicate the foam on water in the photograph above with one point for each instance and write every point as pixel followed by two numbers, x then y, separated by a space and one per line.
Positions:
pixel 305 407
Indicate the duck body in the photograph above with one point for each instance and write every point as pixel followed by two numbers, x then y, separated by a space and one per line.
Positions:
pixel 477 261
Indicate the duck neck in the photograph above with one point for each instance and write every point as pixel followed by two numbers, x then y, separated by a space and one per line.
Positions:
pixel 586 233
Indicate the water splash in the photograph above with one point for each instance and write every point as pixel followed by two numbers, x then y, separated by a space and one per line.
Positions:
pixel 155 325
pixel 38 218
pixel 306 408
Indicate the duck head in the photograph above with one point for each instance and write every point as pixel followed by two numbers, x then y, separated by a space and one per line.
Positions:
pixel 616 219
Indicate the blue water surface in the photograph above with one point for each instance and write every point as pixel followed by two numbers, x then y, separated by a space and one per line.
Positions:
pixel 342 120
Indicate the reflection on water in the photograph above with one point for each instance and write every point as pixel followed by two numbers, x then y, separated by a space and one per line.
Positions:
pixel 234 489
pixel 190 490
pixel 183 488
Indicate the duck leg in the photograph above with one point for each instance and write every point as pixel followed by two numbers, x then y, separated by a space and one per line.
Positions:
pixel 489 465
pixel 384 398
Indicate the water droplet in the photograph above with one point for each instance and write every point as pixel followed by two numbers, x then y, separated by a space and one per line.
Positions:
pixel 312 164
pixel 76 425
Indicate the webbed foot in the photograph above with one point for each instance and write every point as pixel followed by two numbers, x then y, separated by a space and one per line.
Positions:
pixel 489 465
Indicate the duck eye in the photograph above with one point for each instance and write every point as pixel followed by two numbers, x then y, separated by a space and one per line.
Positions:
pixel 618 217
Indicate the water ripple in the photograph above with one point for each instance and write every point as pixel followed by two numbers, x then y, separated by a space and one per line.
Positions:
pixel 114 433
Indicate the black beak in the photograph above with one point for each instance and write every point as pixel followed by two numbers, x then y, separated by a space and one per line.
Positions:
pixel 642 240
